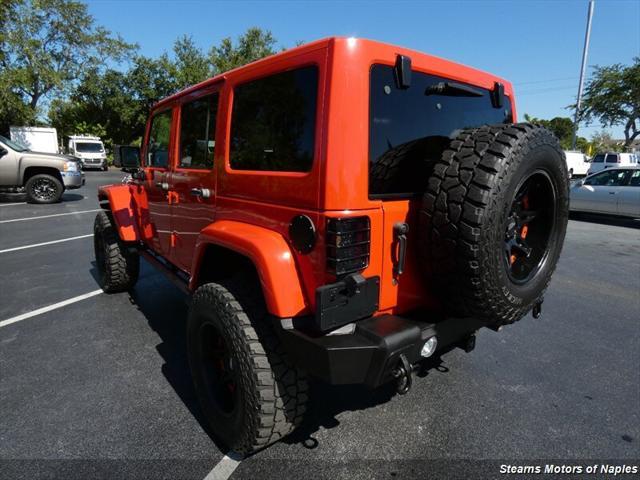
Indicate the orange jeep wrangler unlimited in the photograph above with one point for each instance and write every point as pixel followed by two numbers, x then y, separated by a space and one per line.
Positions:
pixel 341 210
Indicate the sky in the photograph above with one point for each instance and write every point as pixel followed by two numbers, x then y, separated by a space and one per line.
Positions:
pixel 537 45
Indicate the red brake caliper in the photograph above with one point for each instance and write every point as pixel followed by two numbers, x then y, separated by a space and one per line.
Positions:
pixel 524 230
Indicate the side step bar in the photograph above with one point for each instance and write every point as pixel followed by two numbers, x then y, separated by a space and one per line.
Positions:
pixel 172 273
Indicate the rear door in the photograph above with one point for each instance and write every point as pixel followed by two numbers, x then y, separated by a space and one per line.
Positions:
pixel 193 182
pixel 409 128
pixel 157 158
pixel 629 196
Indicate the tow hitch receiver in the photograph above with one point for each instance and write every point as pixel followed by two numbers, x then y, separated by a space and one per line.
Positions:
pixel 403 374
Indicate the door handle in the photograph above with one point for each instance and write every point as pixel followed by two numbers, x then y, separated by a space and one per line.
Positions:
pixel 612 193
pixel 162 185
pixel 401 230
pixel 201 192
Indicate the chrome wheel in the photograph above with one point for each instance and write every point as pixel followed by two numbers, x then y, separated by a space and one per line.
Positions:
pixel 44 189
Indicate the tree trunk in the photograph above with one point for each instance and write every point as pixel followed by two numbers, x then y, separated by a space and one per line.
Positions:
pixel 630 132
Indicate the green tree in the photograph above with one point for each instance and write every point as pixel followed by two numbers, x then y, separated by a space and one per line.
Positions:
pixel 190 65
pixel 47 45
pixel 603 142
pixel 562 127
pixel 118 102
pixel 253 45
pixel 612 96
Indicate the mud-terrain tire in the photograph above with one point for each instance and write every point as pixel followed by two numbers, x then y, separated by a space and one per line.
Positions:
pixel 43 188
pixel 491 182
pixel 118 266
pixel 254 396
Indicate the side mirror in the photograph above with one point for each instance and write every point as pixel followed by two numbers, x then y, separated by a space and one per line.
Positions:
pixel 3 151
pixel 128 158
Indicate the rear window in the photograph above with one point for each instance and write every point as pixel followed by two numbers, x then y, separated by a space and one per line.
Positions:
pixel 613 159
pixel 409 129
pixel 274 122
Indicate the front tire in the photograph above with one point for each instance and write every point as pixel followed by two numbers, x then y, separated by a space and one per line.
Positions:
pixel 44 189
pixel 118 267
pixel 493 220
pixel 249 391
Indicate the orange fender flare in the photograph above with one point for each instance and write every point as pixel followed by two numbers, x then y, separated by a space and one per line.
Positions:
pixel 124 210
pixel 271 256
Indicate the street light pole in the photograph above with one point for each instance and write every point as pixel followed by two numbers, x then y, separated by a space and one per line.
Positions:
pixel 585 51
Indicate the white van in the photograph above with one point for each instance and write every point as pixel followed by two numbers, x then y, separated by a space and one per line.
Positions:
pixel 89 150
pixel 609 160
pixel 577 163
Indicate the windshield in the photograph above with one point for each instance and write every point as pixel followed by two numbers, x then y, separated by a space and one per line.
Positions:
pixel 18 147
pixel 91 147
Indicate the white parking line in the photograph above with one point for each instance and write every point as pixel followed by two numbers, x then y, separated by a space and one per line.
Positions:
pixel 45 243
pixel 12 204
pixel 55 306
pixel 49 216
pixel 224 468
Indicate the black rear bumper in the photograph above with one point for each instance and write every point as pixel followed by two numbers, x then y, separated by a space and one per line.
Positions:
pixel 370 353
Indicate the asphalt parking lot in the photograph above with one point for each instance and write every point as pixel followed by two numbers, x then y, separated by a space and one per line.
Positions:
pixel 100 387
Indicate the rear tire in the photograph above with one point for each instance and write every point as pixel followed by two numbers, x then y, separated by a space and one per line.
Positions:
pixel 118 266
pixel 490 184
pixel 43 189
pixel 249 391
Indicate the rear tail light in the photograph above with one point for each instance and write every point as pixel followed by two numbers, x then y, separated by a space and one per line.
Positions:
pixel 348 244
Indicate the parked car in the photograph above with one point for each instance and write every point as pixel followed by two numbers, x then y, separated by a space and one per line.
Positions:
pixel 345 210
pixel 42 176
pixel 37 139
pixel 615 191
pixel 577 163
pixel 612 160
pixel 89 150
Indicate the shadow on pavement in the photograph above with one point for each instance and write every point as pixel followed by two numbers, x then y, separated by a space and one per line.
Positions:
pixel 72 197
pixel 328 401
pixel 165 308
pixel 605 219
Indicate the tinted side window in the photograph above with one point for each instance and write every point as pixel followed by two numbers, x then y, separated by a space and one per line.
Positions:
pixel 198 133
pixel 274 122
pixel 158 145
pixel 410 128
pixel 634 181
pixel 608 178
pixel 598 158
pixel 612 159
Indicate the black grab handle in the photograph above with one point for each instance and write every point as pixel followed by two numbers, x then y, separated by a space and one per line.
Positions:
pixel 401 230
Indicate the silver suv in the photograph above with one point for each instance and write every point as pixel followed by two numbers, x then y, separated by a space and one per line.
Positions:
pixel 42 176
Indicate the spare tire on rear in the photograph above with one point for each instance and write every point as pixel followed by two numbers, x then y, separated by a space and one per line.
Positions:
pixel 493 221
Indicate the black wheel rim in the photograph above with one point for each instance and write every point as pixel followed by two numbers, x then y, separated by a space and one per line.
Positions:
pixel 219 369
pixel 529 227
pixel 44 189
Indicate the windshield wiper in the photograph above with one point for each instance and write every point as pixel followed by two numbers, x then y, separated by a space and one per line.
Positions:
pixel 453 89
